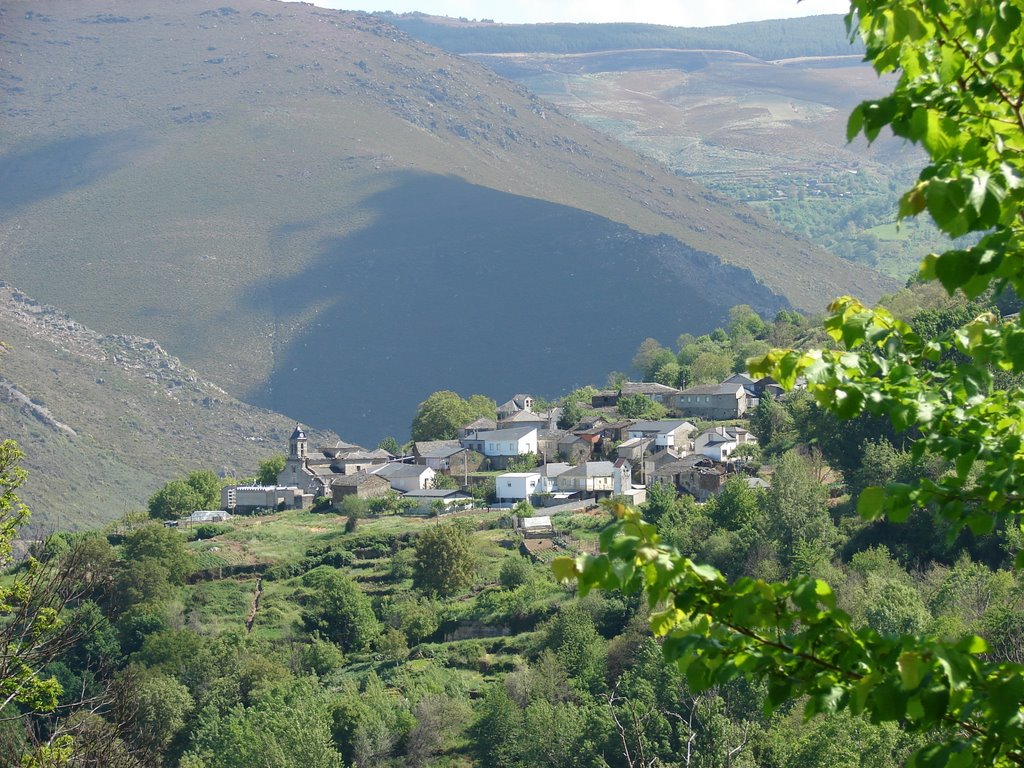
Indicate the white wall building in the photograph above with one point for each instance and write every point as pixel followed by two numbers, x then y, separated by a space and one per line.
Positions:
pixel 516 486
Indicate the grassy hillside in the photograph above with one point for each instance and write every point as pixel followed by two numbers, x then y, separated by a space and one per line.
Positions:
pixel 776 39
pixel 251 185
pixel 755 111
pixel 105 420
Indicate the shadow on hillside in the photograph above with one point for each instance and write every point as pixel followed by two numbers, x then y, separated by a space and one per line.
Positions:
pixel 467 288
pixel 33 173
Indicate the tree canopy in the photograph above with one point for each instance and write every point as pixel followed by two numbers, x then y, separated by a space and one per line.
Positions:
pixel 445 563
pixel 442 414
pixel 959 96
pixel 199 489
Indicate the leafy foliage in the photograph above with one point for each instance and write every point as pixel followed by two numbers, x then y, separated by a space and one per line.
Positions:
pixel 640 407
pixel 338 610
pixel 270 469
pixel 445 563
pixel 178 498
pixel 442 414
pixel 958 96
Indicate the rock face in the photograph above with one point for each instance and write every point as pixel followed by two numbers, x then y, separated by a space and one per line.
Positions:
pixel 104 420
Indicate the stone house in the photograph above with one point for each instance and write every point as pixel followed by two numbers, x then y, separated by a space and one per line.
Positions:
pixel 406 477
pixel 714 401
pixel 362 485
pixel 597 478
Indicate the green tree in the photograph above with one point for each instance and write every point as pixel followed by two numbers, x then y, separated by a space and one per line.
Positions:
pixel 649 357
pixel 796 507
pixel 670 374
pixel 390 445
pixel 744 321
pixel 270 469
pixel 498 730
pixel 445 561
pixel 162 705
pixel 290 727
pixel 440 416
pixel 369 723
pixel 163 547
pixel 174 500
pixel 321 657
pixel 710 367
pixel 205 483
pixel 515 571
pixel 640 407
pixel 957 94
pixel 578 646
pixel 572 414
pixel 442 480
pixel 28 627
pixel 338 610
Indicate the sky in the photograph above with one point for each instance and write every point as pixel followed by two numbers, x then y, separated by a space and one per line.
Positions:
pixel 679 13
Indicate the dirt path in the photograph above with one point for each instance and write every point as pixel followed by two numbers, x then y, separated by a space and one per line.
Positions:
pixel 255 605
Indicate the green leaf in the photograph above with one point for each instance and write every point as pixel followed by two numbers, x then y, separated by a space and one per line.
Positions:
pixel 854 123
pixel 662 621
pixel 912 669
pixel 954 268
pixel 870 503
pixel 564 569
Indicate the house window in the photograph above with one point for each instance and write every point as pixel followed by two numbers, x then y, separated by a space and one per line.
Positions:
pixel 509 483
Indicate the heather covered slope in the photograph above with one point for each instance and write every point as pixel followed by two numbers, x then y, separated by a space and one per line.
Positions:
pixel 198 174
pixel 756 111
pixel 106 419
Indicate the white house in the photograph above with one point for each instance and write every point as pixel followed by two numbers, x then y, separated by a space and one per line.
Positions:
pixel 516 486
pixel 427 498
pixel 246 498
pixel 503 443
pixel 718 443
pixel 549 476
pixel 406 477
pixel 597 477
pixel 669 433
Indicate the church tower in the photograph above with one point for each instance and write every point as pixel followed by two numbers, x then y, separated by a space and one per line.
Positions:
pixel 294 472
pixel 297 445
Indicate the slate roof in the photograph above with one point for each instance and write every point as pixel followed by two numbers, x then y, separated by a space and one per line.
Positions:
pixel 516 433
pixel 436 493
pixel 553 469
pixel 590 469
pixel 723 434
pixel 714 389
pixel 665 425
pixel 740 378
pixel 356 479
pixel 529 416
pixel 685 464
pixel 398 469
pixel 323 470
pixel 646 388
pixel 438 449
pixel 362 455
pixel 481 423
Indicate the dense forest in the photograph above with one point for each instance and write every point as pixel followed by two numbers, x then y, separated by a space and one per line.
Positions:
pixel 860 605
pixel 366 637
pixel 769 40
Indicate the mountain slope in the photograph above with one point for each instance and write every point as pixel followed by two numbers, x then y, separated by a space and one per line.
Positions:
pixel 105 420
pixel 756 111
pixel 196 173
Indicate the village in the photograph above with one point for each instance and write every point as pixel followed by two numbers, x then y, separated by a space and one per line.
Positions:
pixel 537 469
